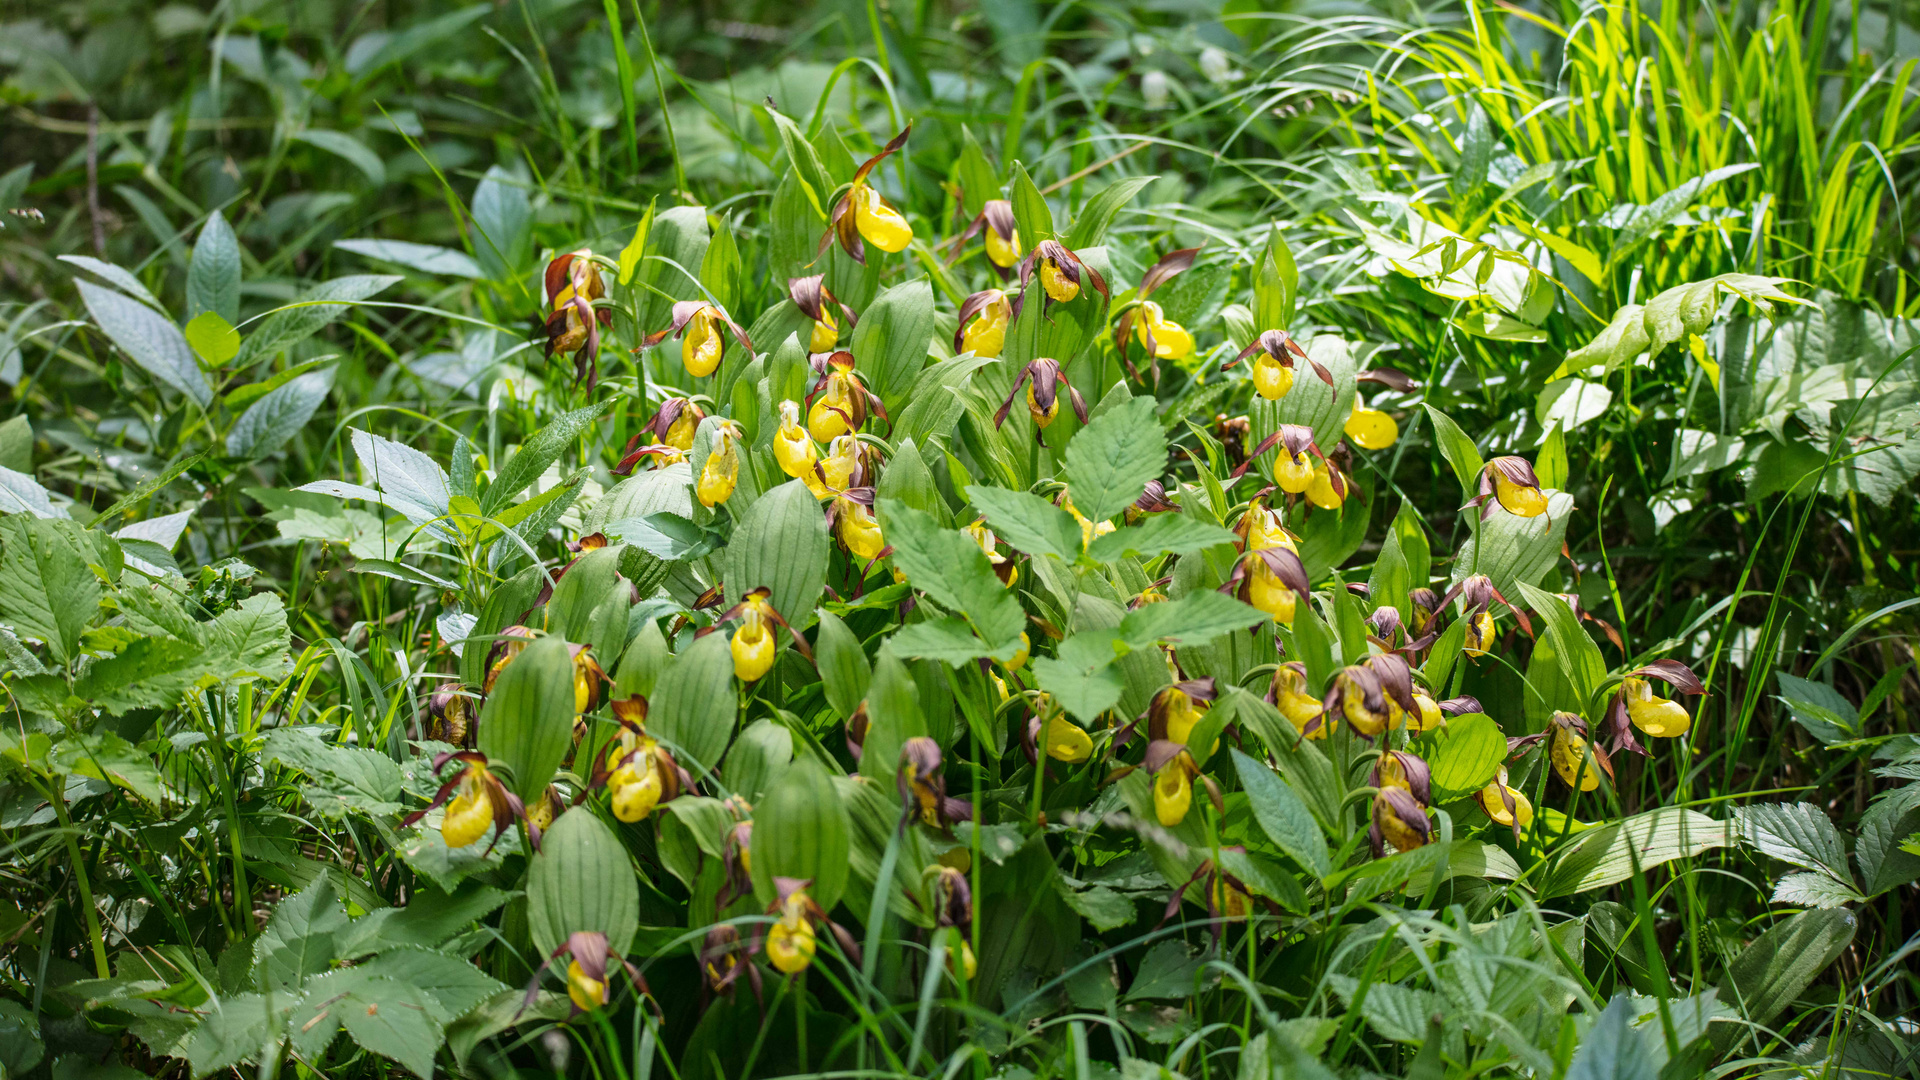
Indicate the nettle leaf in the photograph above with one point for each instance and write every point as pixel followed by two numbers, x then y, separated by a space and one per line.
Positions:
pixel 1194 619
pixel 1110 461
pixel 1159 534
pixel 1797 833
pixel 532 459
pixel 951 568
pixel 1028 522
pixel 1772 972
pixel 213 277
pixel 344 777
pixel 149 339
pixel 1283 815
pixel 47 590
pixel 288 326
pixel 1081 677
pixel 947 639
pixel 299 939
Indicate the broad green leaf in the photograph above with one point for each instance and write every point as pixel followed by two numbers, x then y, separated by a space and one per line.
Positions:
pixel 543 449
pixel 1391 580
pixel 844 668
pixel 293 323
pixel 1031 214
pixel 349 149
pixel 694 704
pixel 1550 465
pixel 894 716
pixel 1469 752
pixel 951 568
pixel 892 337
pixel 781 544
pixel 949 640
pixel 808 169
pixel 1110 461
pixel 758 758
pixel 720 269
pixel 1177 534
pixel 676 247
pixel 392 1019
pixel 1194 619
pixel 1777 967
pixel 16 445
pixel 342 778
pixel 1283 815
pixel 1579 657
pixel 106 756
pixel 213 277
pixel 278 415
pixel 581 880
pixel 1610 854
pixel 1276 285
pixel 119 277
pixel 800 830
pixel 426 258
pixel 908 481
pixel 149 339
pixel 453 986
pixel 502 225
pixel 47 590
pixel 1566 404
pixel 299 940
pixel 1028 522
pixel 975 176
pixel 1459 451
pixel 1514 550
pixel 527 723
pixel 1081 677
pixel 1614 1049
pixel 1097 214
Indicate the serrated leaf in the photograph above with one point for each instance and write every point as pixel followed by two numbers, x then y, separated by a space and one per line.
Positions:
pixel 1194 619
pixel 1177 534
pixel 540 451
pixel 952 569
pixel 149 339
pixel 1797 833
pixel 1110 461
pixel 1283 815
pixel 278 416
pixel 1081 676
pixel 1028 522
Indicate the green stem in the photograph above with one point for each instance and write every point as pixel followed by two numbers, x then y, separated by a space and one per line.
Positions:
pixel 94 935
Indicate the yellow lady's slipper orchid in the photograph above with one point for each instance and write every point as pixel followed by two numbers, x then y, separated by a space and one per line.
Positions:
pixel 1371 429
pixel 587 678
pixel 1173 790
pixel 1058 285
pixel 722 469
pixel 467 818
pixel 700 348
pixel 1019 659
pixel 1167 340
pixel 1662 718
pixel 1490 800
pixel 1321 489
pixel 1089 530
pixel 753 644
pixel 793 449
pixel 1567 750
pixel 1004 253
pixel 1067 741
pixel 1511 482
pixel 1430 716
pixel 841 463
pixel 1271 378
pixel 840 399
pixel 1266 592
pixel 790 942
pixel 587 992
pixel 858 530
pixel 1480 633
pixel 637 787
pixel 1293 472
pixel 1399 821
pixel 984 318
pixel 879 224
pixel 825 333
pixel 1299 707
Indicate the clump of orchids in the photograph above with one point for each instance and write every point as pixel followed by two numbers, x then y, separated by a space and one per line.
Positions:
pixel 1146 322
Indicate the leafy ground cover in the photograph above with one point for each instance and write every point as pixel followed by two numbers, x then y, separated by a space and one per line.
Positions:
pixel 1005 541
